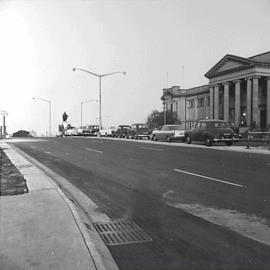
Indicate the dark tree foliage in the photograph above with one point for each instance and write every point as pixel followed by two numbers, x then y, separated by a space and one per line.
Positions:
pixel 156 119
pixel 65 117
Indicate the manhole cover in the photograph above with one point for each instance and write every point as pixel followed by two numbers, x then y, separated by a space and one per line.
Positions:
pixel 121 232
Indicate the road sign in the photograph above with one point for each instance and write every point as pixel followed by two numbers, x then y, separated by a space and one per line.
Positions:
pixel 3 113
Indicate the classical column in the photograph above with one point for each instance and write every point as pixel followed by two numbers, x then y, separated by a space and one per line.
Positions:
pixel 255 102
pixel 211 111
pixel 268 105
pixel 237 107
pixel 226 101
pixel 248 115
pixel 216 102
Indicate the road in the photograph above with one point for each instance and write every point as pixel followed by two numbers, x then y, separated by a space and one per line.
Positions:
pixel 203 208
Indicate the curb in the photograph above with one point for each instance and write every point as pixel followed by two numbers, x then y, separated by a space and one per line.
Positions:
pixel 98 251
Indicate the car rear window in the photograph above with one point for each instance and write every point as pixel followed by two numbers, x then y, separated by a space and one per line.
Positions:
pixel 219 124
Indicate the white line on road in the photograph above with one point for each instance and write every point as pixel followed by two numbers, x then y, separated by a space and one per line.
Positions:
pixel 155 149
pixel 97 141
pixel 47 152
pixel 209 178
pixel 89 149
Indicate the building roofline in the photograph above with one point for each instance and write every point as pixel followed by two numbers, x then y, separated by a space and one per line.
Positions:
pixel 258 55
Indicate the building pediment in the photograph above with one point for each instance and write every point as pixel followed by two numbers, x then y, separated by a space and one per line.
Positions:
pixel 228 64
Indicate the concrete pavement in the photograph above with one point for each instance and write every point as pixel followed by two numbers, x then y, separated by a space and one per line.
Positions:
pixel 42 229
pixel 195 221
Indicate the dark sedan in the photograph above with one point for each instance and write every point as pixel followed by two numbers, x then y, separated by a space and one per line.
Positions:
pixel 139 131
pixel 211 131
pixel 121 131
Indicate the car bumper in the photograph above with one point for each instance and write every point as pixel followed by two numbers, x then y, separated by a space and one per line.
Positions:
pixel 226 140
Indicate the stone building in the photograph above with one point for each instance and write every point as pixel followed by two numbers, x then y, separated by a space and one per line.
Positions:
pixel 238 91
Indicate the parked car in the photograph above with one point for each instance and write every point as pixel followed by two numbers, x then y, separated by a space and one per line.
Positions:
pixel 107 132
pixel 71 131
pixel 211 131
pixel 91 130
pixel 139 131
pixel 169 133
pixel 121 131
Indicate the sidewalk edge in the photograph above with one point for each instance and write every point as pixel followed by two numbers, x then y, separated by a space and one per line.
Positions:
pixel 102 261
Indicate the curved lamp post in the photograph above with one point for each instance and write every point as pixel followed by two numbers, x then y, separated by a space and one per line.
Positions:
pixel 50 112
pixel 99 77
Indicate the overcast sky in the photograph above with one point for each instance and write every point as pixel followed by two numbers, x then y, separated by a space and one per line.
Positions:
pixel 41 41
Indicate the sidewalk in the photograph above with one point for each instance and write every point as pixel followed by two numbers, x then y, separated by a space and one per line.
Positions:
pixel 40 229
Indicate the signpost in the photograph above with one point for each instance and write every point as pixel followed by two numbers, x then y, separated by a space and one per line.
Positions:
pixel 3 129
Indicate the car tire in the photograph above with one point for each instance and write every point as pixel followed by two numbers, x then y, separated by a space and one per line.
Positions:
pixel 228 143
pixel 208 141
pixel 188 140
pixel 154 138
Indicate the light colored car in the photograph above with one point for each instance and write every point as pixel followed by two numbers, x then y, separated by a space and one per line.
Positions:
pixel 71 131
pixel 169 133
pixel 107 131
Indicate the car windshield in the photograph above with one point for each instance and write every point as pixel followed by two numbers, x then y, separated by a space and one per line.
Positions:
pixel 175 127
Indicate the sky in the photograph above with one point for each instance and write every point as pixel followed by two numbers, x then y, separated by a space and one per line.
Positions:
pixel 157 43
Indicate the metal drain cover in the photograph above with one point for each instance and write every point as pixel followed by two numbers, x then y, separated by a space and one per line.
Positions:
pixel 121 232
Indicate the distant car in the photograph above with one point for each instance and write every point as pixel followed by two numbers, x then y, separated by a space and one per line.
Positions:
pixel 71 131
pixel 121 131
pixel 139 131
pixel 107 131
pixel 212 131
pixel 91 130
pixel 169 133
pixel 59 134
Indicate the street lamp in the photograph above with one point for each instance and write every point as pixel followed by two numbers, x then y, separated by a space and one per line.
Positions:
pixel 99 76
pixel 82 102
pixel 164 112
pixel 50 112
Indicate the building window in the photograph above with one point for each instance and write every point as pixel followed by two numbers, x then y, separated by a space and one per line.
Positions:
pixel 200 102
pixel 171 107
pixel 191 103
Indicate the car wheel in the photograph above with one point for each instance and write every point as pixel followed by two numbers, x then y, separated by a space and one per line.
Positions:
pixel 168 139
pixel 229 143
pixel 208 141
pixel 188 140
pixel 154 138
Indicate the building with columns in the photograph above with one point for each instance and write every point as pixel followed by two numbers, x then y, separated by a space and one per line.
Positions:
pixel 238 91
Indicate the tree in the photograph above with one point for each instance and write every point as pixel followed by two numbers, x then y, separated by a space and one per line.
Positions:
pixel 65 117
pixel 156 119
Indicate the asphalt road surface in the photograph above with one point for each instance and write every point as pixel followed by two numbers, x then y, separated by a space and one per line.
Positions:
pixel 203 208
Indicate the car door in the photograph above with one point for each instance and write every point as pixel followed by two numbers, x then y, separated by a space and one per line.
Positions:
pixel 163 132
pixel 196 132
pixel 201 131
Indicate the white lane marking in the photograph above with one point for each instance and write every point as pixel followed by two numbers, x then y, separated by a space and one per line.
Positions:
pixel 47 152
pixel 209 178
pixel 97 141
pixel 250 226
pixel 155 149
pixel 89 149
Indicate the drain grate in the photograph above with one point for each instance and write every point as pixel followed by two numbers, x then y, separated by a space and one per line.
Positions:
pixel 121 232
